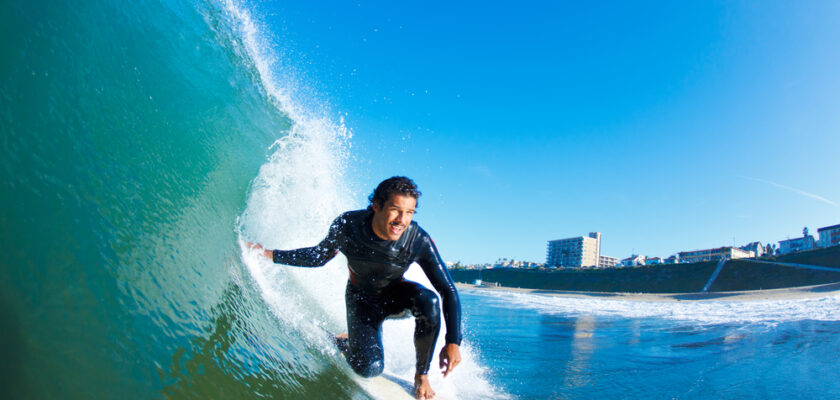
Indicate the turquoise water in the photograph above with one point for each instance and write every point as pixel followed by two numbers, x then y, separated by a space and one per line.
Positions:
pixel 131 133
pixel 143 143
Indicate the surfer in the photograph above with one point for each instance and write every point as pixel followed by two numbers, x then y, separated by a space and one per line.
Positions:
pixel 380 243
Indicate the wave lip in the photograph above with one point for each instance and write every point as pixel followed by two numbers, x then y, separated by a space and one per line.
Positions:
pixel 292 201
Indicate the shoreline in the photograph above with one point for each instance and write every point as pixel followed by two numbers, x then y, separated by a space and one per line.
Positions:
pixel 801 292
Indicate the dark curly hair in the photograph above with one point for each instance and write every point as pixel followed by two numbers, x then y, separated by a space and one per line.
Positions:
pixel 391 186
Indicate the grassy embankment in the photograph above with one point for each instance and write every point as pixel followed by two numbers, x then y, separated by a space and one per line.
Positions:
pixel 671 278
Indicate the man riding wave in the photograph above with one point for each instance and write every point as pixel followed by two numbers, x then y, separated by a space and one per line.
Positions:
pixel 380 243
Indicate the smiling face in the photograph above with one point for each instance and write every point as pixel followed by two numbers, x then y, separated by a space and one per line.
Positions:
pixel 392 218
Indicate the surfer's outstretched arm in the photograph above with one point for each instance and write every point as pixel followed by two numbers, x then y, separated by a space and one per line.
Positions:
pixel 315 256
pixel 306 257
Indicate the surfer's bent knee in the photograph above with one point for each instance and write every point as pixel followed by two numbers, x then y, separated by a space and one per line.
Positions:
pixel 368 369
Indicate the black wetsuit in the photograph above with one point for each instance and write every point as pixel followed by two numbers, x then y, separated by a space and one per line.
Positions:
pixel 377 290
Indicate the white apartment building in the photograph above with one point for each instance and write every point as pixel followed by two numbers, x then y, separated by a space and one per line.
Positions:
pixel 575 252
pixel 607 261
pixel 829 235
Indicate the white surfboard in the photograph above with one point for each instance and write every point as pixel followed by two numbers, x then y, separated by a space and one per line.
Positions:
pixel 388 386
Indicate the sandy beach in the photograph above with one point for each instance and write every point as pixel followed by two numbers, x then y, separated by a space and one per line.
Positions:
pixel 802 292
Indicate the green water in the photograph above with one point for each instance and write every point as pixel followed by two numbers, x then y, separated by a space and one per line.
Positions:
pixel 131 133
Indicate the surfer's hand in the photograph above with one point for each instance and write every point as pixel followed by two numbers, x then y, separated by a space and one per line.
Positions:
pixel 450 357
pixel 257 246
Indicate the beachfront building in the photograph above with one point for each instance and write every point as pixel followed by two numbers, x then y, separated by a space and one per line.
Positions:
pixel 730 253
pixel 607 261
pixel 505 263
pixel 633 261
pixel 754 247
pixel 653 260
pixel 576 252
pixel 672 259
pixel 532 265
pixel 798 244
pixel 829 235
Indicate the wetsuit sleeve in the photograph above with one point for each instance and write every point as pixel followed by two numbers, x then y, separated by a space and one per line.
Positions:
pixel 312 256
pixel 429 259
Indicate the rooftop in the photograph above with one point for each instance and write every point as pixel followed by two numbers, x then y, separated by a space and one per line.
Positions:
pixel 829 227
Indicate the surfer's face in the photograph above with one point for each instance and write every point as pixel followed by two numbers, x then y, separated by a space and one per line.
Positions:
pixel 392 218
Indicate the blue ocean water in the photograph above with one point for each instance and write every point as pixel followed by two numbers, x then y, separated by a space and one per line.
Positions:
pixel 541 347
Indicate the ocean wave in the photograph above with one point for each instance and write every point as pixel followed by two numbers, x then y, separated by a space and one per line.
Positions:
pixel 767 312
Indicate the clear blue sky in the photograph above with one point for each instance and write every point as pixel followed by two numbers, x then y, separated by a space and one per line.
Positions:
pixel 667 126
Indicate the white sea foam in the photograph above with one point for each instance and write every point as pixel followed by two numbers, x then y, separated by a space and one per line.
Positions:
pixel 703 312
pixel 294 198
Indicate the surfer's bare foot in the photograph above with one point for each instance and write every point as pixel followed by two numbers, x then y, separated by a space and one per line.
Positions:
pixel 422 388
pixel 341 341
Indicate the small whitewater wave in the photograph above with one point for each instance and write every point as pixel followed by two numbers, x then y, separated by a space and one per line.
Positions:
pixel 765 312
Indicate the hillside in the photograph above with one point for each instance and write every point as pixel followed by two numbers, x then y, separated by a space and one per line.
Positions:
pixel 671 278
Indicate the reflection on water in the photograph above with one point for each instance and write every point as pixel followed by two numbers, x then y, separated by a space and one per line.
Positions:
pixel 582 347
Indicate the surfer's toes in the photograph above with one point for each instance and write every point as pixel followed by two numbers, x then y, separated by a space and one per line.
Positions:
pixel 424 393
pixel 426 396
pixel 341 341
pixel 422 389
